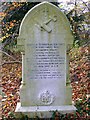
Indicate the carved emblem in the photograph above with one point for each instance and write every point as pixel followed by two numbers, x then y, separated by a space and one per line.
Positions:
pixel 45 26
pixel 47 98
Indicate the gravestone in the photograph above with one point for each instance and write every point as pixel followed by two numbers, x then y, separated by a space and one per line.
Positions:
pixel 44 39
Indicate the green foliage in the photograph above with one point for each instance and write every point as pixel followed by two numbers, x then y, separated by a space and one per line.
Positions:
pixel 82 105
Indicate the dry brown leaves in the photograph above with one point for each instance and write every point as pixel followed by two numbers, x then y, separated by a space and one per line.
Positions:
pixel 79 71
pixel 11 80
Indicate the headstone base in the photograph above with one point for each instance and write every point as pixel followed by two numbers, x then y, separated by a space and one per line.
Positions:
pixel 43 111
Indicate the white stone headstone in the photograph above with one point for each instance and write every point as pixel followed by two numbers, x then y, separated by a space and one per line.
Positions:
pixel 44 38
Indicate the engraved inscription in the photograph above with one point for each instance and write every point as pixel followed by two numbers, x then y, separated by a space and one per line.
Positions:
pixel 48 62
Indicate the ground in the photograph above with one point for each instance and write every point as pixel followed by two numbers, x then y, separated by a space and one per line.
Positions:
pixel 79 74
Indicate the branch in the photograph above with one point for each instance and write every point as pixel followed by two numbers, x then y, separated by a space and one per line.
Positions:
pixel 11 62
pixel 8 55
pixel 86 5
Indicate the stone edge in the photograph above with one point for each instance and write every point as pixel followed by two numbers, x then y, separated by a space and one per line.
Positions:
pixel 43 111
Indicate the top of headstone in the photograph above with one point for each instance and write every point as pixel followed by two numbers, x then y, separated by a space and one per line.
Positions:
pixel 37 16
pixel 43 0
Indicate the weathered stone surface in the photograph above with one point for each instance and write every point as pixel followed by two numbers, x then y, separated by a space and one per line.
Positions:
pixel 44 39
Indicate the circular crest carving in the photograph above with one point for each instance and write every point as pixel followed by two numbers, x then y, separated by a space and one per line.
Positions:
pixel 47 98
